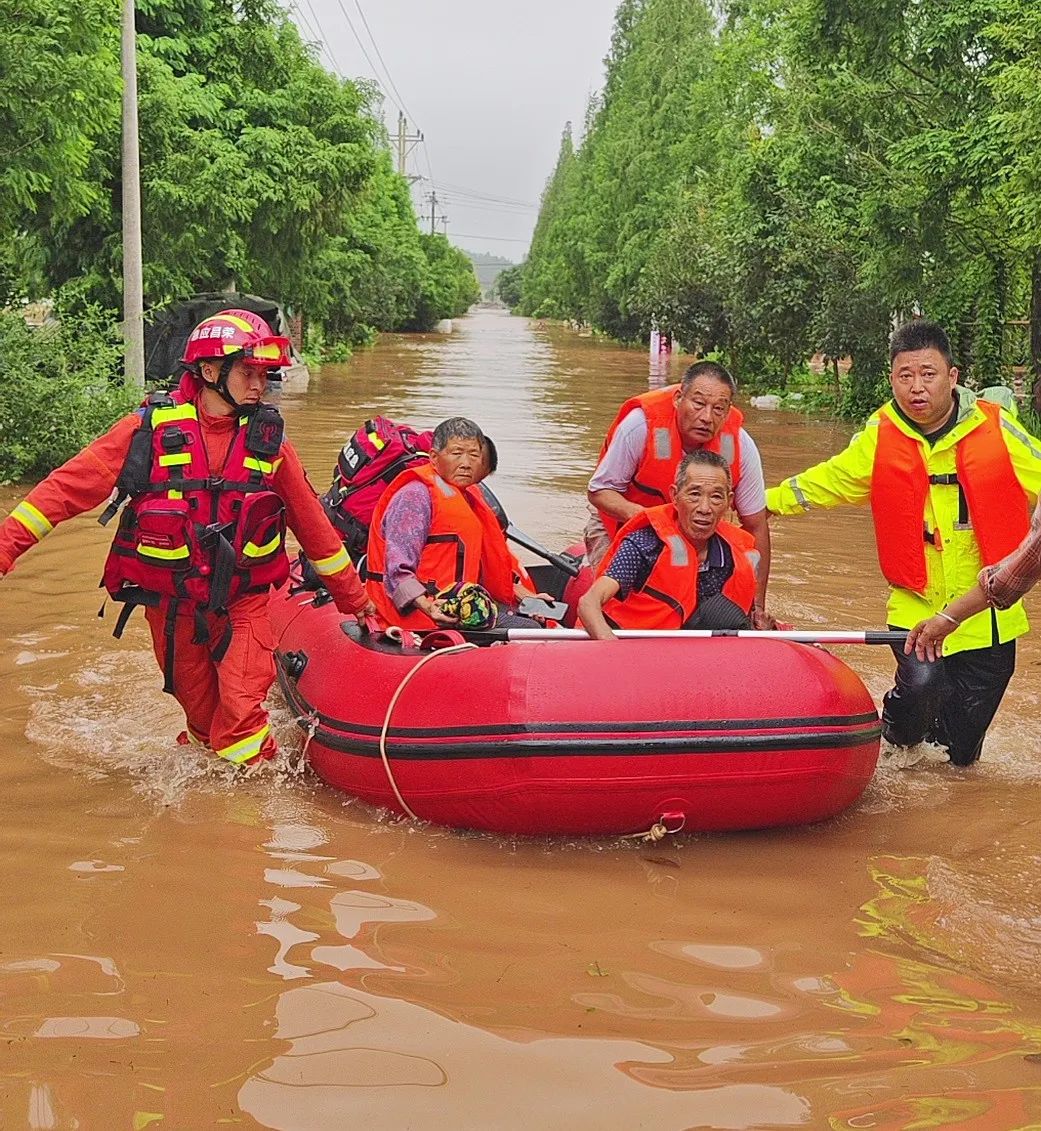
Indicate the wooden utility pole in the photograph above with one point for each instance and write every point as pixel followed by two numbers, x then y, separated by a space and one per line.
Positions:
pixel 133 287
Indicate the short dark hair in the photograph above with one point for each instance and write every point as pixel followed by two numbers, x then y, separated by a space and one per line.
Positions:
pixel 456 428
pixel 491 453
pixel 708 369
pixel 920 335
pixel 704 458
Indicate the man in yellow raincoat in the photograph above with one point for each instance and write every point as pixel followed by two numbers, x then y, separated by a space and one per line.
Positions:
pixel 950 478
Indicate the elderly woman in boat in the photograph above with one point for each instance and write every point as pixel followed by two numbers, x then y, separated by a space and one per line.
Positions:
pixel 681 565
pixel 433 533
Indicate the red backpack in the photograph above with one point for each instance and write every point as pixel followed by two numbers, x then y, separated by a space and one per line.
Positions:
pixel 378 452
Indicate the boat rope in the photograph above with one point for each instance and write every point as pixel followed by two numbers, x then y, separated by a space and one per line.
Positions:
pixel 312 727
pixel 390 711
pixel 659 830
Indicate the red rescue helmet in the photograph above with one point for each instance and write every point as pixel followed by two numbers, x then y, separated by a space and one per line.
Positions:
pixel 235 335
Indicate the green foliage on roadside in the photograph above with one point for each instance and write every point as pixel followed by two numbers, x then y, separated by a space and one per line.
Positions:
pixel 771 179
pixel 450 286
pixel 508 285
pixel 62 386
pixel 260 170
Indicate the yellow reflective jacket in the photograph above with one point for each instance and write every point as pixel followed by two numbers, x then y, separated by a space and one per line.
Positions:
pixel 846 478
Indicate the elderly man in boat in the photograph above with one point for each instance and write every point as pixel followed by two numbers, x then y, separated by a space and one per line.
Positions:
pixel 646 442
pixel 432 533
pixel 680 565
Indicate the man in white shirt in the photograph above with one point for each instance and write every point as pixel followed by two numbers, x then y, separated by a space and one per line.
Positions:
pixel 651 434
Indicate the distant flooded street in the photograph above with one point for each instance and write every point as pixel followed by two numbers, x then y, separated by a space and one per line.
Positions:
pixel 184 950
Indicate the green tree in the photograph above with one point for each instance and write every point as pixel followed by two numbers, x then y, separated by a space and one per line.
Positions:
pixel 508 285
pixel 58 99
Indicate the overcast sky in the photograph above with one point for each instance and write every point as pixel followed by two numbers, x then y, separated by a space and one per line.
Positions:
pixel 489 82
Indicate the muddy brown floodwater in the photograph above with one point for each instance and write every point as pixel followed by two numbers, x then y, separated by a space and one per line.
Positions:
pixel 183 950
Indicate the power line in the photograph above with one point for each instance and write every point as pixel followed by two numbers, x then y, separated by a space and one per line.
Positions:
pixel 379 55
pixel 368 59
pixel 319 36
pixel 337 69
pixel 503 209
pixel 508 239
pixel 477 194
pixel 430 170
pixel 396 99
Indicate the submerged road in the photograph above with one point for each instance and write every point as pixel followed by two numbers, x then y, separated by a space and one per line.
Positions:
pixel 179 950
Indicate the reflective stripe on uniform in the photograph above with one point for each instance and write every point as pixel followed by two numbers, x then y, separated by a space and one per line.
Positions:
pixel 245 748
pixel 252 550
pixel 175 494
pixel 800 498
pixel 256 465
pixel 36 522
pixel 174 412
pixel 175 458
pixel 662 443
pixel 326 566
pixel 163 555
pixel 1020 435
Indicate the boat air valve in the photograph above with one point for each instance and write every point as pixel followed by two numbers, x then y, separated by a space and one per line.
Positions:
pixel 293 664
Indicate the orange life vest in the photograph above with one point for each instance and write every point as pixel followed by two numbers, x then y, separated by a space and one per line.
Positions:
pixel 900 487
pixel 663 449
pixel 464 543
pixel 669 596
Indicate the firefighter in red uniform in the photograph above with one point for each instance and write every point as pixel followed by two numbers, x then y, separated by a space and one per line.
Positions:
pixel 212 485
pixel 678 565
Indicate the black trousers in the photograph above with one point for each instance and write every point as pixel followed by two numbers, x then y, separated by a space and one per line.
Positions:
pixel 950 702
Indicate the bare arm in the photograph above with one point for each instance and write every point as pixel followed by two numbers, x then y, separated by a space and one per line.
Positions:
pixel 617 467
pixel 927 637
pixel 759 527
pixel 591 605
pixel 613 503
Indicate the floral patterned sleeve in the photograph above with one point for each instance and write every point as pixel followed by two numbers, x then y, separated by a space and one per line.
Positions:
pixel 1014 575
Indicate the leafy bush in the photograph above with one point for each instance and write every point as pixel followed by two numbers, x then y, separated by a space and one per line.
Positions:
pixel 60 387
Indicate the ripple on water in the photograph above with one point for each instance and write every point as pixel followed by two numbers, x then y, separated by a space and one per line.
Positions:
pixel 971 910
pixel 106 718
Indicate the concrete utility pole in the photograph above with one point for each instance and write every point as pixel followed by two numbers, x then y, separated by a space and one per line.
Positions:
pixel 133 287
pixel 406 143
pixel 433 215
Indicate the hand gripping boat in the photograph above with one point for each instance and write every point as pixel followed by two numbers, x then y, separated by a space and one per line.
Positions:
pixel 578 738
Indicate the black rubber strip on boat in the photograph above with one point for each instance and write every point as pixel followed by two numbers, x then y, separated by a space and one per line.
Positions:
pixel 599 747
pixel 506 729
pixel 856 730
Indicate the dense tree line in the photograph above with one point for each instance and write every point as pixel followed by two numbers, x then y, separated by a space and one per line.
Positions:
pixel 770 179
pixel 259 169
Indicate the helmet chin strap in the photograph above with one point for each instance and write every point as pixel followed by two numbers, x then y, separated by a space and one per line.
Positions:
pixel 220 387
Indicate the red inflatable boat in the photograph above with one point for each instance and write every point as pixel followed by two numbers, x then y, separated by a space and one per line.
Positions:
pixel 576 737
